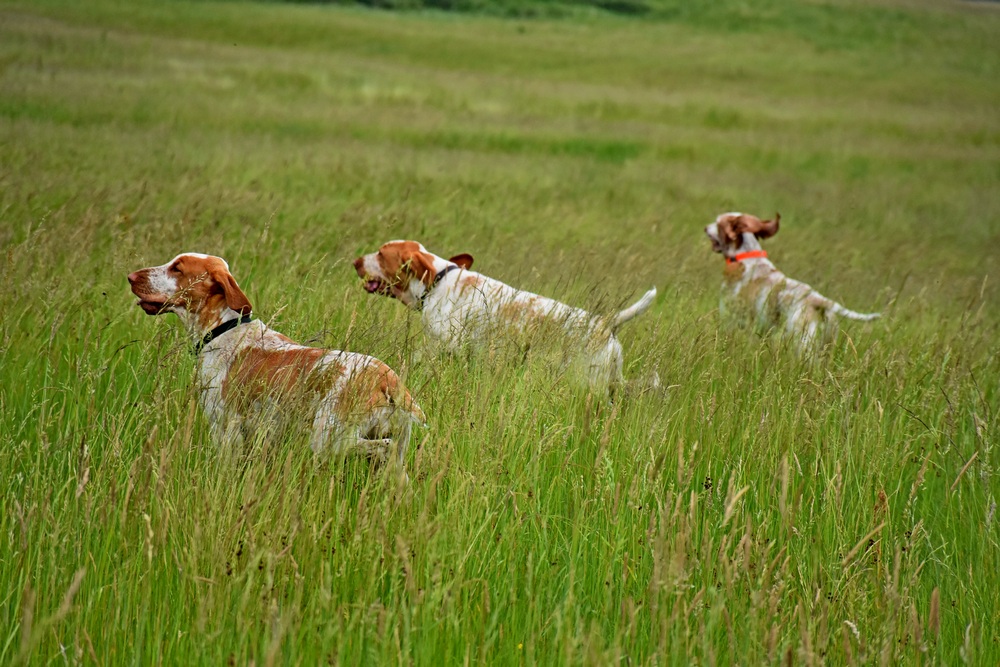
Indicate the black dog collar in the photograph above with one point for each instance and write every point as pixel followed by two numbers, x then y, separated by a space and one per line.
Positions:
pixel 437 278
pixel 219 330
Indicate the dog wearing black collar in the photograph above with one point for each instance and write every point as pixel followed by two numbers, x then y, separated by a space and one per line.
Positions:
pixel 252 376
pixel 459 306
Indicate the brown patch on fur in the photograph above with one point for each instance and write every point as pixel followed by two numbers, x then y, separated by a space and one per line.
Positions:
pixel 401 261
pixel 732 227
pixel 204 287
pixel 518 311
pixel 733 272
pixel 468 282
pixel 751 224
pixel 374 386
pixel 526 318
pixel 727 229
pixel 256 374
pixel 463 260
pixel 778 299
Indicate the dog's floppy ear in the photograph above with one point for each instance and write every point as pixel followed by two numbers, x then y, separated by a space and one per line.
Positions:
pixel 464 260
pixel 421 265
pixel 235 298
pixel 768 228
pixel 729 229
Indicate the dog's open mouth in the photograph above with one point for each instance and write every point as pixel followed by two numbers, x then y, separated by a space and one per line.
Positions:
pixel 377 286
pixel 151 306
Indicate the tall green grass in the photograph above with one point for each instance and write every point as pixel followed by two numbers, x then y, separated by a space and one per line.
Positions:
pixel 757 509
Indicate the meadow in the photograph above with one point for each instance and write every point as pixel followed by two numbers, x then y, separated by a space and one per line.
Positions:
pixel 757 509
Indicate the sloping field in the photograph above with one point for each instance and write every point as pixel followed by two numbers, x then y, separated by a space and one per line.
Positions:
pixel 757 509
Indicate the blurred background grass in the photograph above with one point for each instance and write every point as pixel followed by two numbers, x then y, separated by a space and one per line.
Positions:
pixel 578 155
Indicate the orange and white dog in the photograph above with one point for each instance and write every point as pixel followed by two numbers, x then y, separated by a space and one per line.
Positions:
pixel 460 306
pixel 754 290
pixel 252 376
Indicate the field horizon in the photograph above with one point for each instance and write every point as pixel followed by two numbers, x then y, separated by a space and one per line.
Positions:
pixel 757 508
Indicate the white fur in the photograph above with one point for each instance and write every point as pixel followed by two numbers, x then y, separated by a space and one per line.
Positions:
pixel 327 429
pixel 457 312
pixel 759 288
pixel 382 433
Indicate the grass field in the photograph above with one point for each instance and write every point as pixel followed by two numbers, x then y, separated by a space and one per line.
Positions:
pixel 759 510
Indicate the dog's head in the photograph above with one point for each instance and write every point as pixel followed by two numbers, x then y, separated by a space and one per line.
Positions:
pixel 729 232
pixel 197 287
pixel 403 270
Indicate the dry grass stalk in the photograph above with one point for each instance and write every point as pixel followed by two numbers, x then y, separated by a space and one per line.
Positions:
pixel 731 505
pixel 857 547
pixel 933 615
pixel 848 650
pixel 962 471
pixel 916 631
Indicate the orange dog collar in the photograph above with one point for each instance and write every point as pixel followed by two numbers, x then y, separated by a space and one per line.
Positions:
pixel 752 254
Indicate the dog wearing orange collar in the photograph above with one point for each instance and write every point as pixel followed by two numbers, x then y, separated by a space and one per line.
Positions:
pixel 753 290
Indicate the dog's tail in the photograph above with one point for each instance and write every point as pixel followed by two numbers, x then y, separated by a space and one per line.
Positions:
pixel 637 308
pixel 852 315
